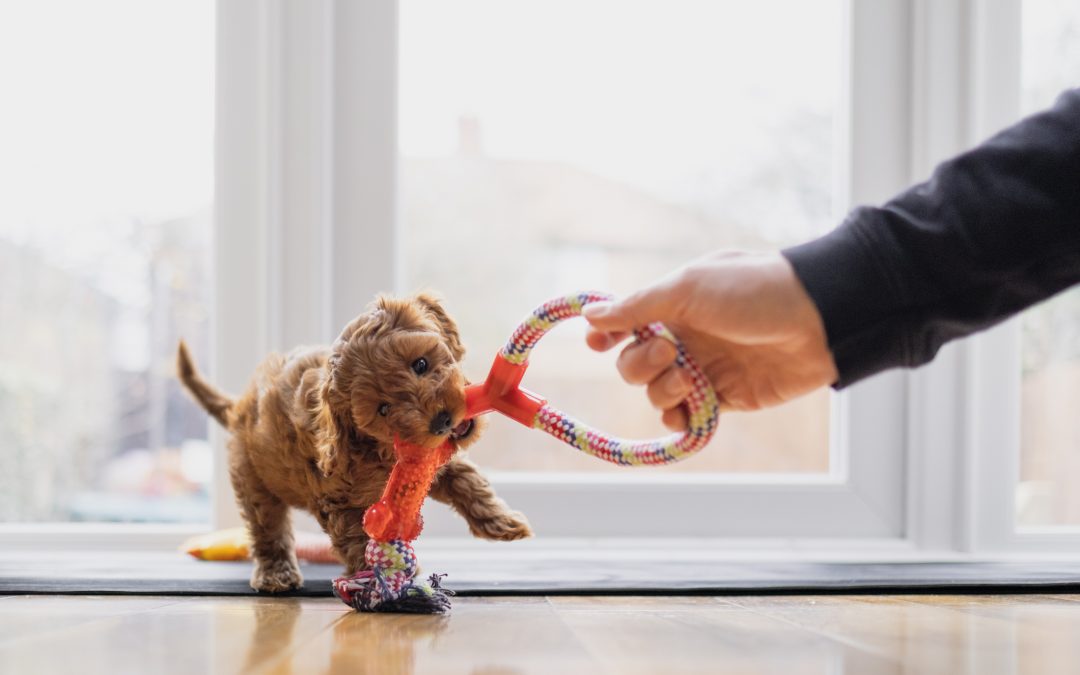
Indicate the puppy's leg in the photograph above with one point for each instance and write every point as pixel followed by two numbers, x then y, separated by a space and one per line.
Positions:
pixel 346 529
pixel 464 488
pixel 267 518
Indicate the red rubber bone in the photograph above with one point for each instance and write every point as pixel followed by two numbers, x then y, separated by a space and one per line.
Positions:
pixel 397 514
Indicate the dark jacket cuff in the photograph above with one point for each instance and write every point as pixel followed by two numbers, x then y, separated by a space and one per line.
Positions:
pixel 857 302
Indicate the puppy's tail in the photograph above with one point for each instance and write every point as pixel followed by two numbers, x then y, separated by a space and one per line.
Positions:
pixel 211 399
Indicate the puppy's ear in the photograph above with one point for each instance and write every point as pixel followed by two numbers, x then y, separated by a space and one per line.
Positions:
pixel 330 436
pixel 447 327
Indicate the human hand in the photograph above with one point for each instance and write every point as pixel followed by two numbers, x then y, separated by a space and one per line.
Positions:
pixel 744 317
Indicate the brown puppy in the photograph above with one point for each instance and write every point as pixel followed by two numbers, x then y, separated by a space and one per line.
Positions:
pixel 315 428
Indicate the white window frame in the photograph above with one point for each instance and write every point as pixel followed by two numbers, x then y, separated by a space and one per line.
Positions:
pixel 923 463
pixel 305 102
pixel 965 419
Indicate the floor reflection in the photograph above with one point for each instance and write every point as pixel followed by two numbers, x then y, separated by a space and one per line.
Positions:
pixel 382 643
pixel 863 635
pixel 273 634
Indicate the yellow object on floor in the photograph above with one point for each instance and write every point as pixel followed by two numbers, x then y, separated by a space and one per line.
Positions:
pixel 235 544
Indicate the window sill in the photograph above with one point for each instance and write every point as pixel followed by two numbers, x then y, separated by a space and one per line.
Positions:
pixel 16 537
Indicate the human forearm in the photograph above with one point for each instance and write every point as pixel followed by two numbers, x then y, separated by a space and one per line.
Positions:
pixel 995 230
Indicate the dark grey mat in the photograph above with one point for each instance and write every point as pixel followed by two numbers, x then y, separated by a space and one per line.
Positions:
pixel 175 574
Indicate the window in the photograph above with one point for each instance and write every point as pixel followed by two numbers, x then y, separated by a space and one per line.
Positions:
pixel 606 144
pixel 313 101
pixel 502 153
pixel 105 232
pixel 1050 389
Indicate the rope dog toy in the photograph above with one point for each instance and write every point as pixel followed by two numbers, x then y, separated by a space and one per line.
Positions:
pixel 501 391
pixel 394 521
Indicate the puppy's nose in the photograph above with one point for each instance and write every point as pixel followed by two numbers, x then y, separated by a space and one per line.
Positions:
pixel 440 424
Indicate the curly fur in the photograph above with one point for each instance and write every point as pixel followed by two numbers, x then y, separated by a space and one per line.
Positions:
pixel 308 433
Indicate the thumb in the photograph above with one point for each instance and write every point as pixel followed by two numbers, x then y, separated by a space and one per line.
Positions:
pixel 636 310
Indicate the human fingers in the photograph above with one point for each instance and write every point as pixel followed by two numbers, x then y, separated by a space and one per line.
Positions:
pixel 658 302
pixel 729 383
pixel 602 341
pixel 676 418
pixel 642 362
pixel 669 389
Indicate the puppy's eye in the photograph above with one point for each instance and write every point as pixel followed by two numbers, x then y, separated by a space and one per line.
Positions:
pixel 384 409
pixel 419 366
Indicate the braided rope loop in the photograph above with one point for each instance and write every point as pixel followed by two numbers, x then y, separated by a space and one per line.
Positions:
pixel 702 405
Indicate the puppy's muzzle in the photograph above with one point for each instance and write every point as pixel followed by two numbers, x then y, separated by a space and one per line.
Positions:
pixel 441 423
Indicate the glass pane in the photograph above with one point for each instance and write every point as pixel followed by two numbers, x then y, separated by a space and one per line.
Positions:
pixel 1050 427
pixel 555 146
pixel 107 143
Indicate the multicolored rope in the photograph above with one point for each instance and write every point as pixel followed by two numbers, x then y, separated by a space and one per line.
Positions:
pixel 702 405
pixel 390 584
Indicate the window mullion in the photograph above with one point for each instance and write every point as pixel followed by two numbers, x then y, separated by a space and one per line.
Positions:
pixel 243 298
pixel 939 504
pixel 363 137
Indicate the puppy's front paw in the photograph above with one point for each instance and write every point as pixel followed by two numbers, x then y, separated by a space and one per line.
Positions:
pixel 504 526
pixel 276 576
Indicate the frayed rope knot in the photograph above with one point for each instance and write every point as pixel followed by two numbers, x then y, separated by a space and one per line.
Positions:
pixel 390 585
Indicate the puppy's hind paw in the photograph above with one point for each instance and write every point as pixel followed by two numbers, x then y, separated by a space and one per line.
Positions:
pixel 276 577
pixel 505 526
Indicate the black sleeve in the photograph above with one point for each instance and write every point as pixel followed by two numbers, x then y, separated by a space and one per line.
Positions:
pixel 993 231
